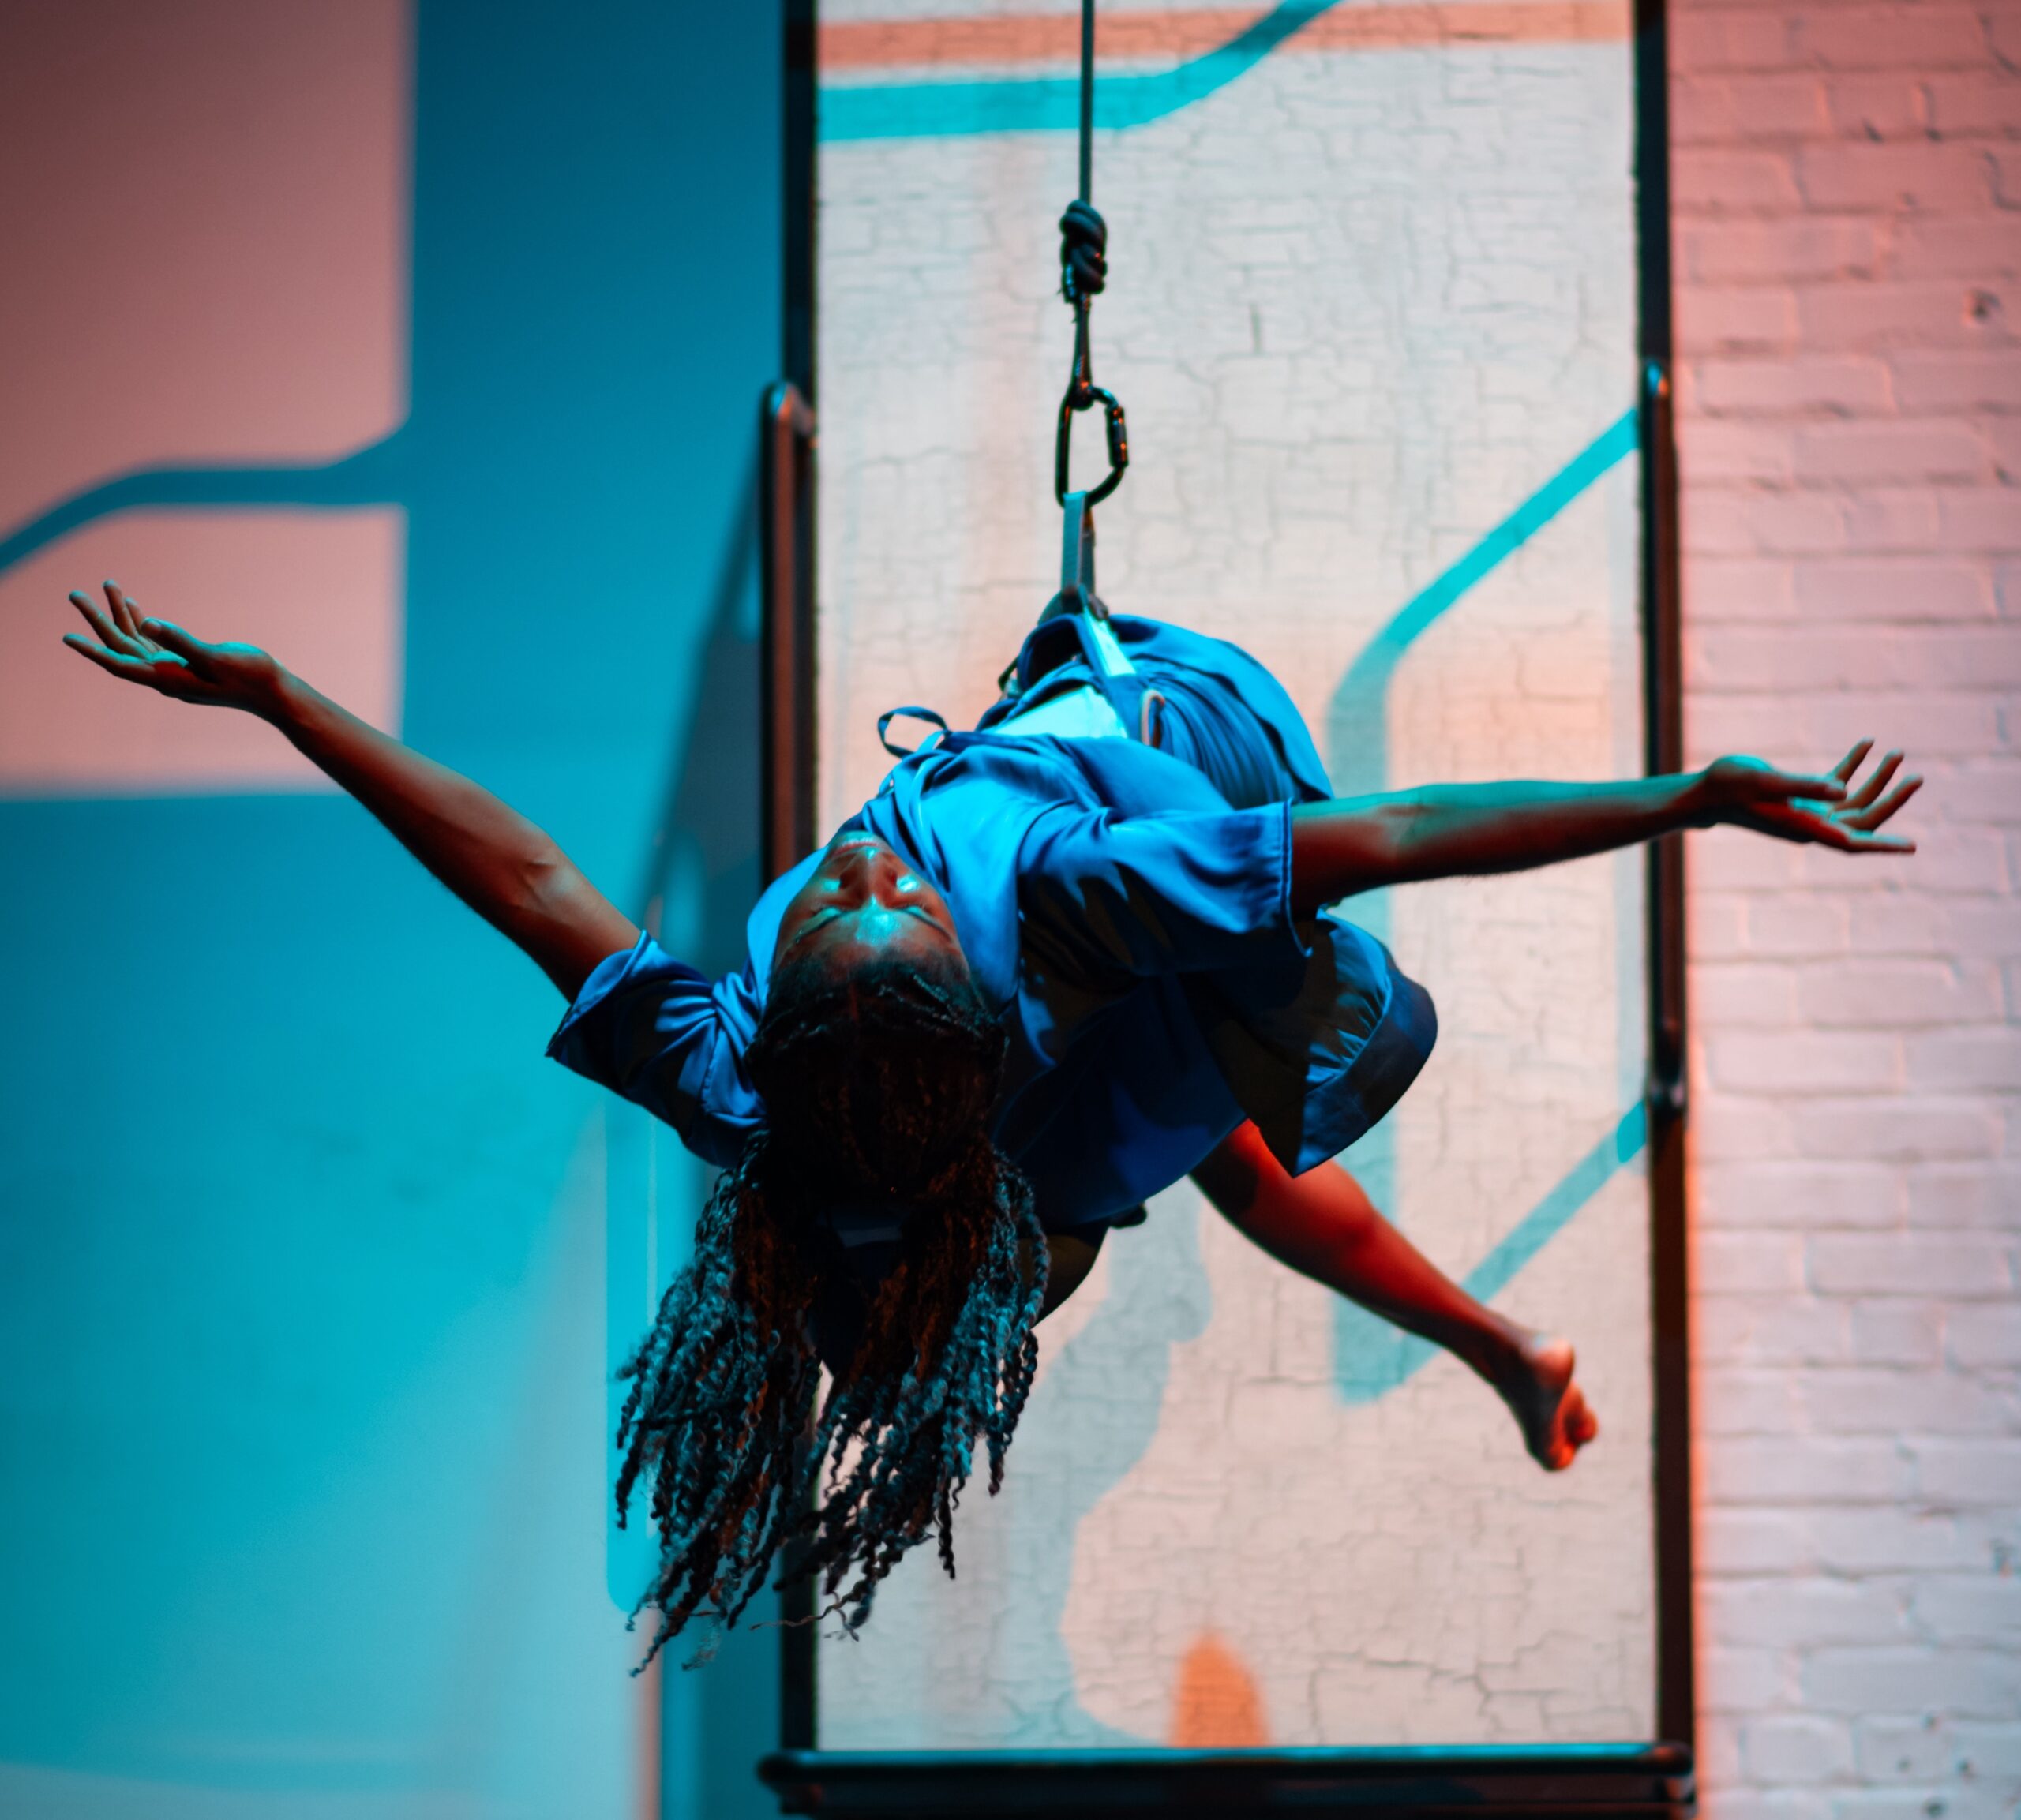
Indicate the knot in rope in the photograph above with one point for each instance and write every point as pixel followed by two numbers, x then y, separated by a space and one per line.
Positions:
pixel 1083 249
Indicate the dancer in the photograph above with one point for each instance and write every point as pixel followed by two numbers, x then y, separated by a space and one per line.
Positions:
pixel 1049 969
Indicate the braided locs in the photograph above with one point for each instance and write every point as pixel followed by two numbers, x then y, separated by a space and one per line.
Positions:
pixel 877 1089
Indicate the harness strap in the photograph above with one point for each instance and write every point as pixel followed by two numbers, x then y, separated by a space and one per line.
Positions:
pixel 910 714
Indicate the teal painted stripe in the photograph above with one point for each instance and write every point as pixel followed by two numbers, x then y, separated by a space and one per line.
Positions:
pixel 1544 1222
pixel 1051 104
pixel 1614 443
pixel 1356 746
pixel 1372 1358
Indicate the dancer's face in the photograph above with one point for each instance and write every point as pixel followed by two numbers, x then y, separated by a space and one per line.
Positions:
pixel 864 903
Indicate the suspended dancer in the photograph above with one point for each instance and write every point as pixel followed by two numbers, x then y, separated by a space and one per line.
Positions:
pixel 1058 963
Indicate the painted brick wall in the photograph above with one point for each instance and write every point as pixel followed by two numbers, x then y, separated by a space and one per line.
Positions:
pixel 1848 221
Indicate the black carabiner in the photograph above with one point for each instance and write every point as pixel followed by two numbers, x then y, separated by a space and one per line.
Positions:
pixel 1086 397
pixel 1082 394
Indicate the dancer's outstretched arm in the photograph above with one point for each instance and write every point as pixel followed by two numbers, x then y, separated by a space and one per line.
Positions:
pixel 490 855
pixel 1456 829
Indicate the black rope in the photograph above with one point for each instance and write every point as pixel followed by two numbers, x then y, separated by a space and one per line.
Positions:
pixel 1088 101
pixel 1083 274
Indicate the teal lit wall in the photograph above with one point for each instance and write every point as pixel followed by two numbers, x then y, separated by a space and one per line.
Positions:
pixel 311 1267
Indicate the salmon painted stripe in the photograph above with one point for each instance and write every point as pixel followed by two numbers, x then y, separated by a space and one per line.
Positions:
pixel 1055 37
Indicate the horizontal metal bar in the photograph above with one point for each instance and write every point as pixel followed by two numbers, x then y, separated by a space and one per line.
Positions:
pixel 1590 1780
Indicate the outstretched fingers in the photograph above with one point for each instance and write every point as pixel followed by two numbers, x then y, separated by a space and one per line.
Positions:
pixel 134 649
pixel 111 633
pixel 1873 804
pixel 124 611
pixel 173 662
pixel 1868 792
pixel 131 668
pixel 1869 817
pixel 1841 810
pixel 1846 768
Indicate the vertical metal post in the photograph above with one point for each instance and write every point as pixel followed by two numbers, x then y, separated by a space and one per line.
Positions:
pixel 787 527
pixel 786 518
pixel 786 464
pixel 786 458
pixel 1664 736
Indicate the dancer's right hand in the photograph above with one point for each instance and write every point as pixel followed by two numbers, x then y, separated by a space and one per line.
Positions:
pixel 165 658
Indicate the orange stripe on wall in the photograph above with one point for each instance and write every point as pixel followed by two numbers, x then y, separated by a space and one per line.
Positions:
pixel 1216 1705
pixel 1055 37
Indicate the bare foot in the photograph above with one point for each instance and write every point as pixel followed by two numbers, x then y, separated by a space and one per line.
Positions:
pixel 1548 1406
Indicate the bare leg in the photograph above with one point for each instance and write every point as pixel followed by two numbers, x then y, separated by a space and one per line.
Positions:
pixel 1326 1227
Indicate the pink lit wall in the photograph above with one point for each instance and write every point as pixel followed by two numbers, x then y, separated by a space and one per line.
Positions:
pixel 389 334
pixel 205 213
pixel 1848 233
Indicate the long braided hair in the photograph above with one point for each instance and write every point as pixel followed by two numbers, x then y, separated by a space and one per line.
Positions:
pixel 877 1086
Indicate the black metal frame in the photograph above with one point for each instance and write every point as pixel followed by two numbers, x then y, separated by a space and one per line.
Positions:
pixel 785 480
pixel 1587 1780
pixel 787 529
pixel 1663 672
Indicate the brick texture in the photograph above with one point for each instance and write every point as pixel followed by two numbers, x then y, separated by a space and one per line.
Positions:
pixel 1847 185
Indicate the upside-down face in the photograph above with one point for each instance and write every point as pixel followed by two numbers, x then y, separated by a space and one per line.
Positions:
pixel 864 903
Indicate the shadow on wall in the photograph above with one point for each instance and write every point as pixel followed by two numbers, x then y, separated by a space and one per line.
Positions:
pixel 302 1328
pixel 700 881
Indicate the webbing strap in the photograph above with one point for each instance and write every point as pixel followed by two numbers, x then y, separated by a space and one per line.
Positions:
pixel 932 719
pixel 1076 585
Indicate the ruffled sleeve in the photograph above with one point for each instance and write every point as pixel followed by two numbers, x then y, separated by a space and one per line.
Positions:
pixel 1105 897
pixel 665 1037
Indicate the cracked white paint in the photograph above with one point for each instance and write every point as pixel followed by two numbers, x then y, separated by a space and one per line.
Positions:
pixel 1361 306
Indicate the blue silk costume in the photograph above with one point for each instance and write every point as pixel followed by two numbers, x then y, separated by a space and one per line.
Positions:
pixel 1128 911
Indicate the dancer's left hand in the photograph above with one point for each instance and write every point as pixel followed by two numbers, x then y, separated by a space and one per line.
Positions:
pixel 1825 811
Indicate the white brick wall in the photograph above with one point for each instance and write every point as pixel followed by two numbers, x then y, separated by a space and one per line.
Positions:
pixel 1848 231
